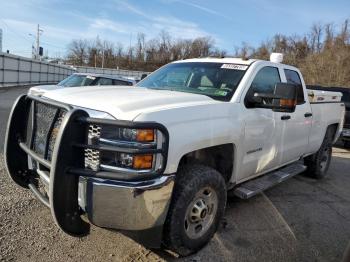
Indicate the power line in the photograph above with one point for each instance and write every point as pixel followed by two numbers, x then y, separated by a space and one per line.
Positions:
pixel 53 45
pixel 29 40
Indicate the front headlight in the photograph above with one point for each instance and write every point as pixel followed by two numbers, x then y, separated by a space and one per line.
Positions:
pixel 124 149
pixel 125 160
pixel 130 134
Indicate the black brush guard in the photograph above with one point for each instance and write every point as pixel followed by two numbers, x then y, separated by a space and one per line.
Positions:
pixel 67 162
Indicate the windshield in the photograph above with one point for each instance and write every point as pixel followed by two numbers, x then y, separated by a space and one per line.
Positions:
pixel 216 80
pixel 77 80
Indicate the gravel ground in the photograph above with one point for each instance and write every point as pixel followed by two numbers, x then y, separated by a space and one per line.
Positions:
pixel 299 220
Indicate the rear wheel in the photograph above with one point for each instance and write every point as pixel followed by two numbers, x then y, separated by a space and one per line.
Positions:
pixel 318 163
pixel 197 206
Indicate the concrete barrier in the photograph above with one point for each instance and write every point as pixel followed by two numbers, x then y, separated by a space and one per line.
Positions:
pixel 111 71
pixel 19 71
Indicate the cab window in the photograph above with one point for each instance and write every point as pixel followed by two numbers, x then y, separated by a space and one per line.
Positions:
pixel 294 78
pixel 122 83
pixel 264 82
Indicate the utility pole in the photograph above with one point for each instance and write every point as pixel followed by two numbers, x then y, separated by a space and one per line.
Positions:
pixel 38 33
pixel 103 54
pixel 0 40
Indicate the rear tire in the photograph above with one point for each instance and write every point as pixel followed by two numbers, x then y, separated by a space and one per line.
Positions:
pixel 318 163
pixel 198 204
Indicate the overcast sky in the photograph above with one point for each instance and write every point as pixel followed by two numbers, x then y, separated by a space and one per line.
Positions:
pixel 229 22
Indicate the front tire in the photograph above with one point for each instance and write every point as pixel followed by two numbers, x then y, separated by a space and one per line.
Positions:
pixel 318 163
pixel 198 204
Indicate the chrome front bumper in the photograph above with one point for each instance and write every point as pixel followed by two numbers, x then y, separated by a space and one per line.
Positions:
pixel 126 205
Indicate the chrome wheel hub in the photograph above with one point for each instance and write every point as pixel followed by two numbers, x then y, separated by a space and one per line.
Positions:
pixel 200 213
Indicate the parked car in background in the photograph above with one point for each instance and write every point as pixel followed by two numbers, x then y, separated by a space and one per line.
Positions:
pixel 83 79
pixel 345 135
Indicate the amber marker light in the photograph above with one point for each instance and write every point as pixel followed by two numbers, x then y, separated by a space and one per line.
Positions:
pixel 145 135
pixel 287 102
pixel 142 161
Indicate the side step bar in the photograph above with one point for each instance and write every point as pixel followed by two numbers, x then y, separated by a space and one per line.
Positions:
pixel 253 187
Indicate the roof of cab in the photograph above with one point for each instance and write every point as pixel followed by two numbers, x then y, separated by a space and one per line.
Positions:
pixel 239 61
pixel 229 60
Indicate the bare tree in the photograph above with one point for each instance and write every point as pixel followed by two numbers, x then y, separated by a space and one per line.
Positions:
pixel 77 52
pixel 315 38
pixel 323 54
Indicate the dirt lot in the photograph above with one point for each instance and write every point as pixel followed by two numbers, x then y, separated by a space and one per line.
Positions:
pixel 299 220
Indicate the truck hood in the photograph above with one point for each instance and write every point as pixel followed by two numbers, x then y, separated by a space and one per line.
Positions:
pixel 125 102
pixel 40 90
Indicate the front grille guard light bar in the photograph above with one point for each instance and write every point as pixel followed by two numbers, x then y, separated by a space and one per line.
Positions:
pixel 129 174
pixel 124 174
pixel 67 162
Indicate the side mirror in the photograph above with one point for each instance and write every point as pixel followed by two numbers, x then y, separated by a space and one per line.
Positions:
pixel 283 99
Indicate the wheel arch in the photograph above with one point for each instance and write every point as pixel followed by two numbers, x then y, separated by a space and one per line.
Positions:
pixel 220 157
pixel 334 130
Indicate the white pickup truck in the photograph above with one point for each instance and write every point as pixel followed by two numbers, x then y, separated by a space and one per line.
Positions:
pixel 156 161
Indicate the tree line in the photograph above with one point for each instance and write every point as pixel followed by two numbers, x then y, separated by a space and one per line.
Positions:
pixel 322 54
pixel 143 55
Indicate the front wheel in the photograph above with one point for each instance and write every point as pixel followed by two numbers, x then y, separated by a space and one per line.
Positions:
pixel 197 206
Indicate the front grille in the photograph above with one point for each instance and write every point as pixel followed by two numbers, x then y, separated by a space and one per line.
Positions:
pixel 54 132
pixel 43 125
pixel 92 157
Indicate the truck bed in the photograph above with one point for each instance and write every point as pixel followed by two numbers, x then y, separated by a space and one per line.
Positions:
pixel 318 96
pixel 326 108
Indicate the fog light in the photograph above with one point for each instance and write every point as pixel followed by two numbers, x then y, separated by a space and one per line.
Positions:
pixel 143 161
pixel 125 160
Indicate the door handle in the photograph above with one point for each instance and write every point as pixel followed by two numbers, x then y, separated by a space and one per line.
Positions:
pixel 308 114
pixel 285 117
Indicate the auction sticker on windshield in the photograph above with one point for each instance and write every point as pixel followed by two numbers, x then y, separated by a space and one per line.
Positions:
pixel 234 66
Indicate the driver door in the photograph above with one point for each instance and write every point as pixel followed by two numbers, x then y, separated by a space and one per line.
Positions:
pixel 260 128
